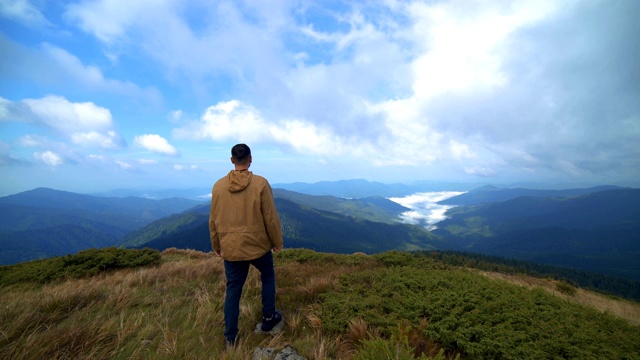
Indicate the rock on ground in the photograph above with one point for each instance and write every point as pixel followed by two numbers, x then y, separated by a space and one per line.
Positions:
pixel 288 353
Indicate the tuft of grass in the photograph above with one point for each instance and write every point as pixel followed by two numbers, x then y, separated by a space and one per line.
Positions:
pixel 357 332
pixel 565 288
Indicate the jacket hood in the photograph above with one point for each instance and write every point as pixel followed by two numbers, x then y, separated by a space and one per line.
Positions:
pixel 239 180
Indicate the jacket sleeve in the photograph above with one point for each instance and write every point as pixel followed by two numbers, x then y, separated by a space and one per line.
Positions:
pixel 213 233
pixel 271 218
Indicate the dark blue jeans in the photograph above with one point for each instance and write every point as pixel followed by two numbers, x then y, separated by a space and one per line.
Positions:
pixel 236 272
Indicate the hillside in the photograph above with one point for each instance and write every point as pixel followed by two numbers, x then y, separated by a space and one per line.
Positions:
pixel 44 222
pixel 595 232
pixel 27 245
pixel 302 227
pixel 390 305
pixel 171 227
pixel 373 208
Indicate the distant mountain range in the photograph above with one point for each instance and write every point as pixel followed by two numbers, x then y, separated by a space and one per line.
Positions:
pixel 347 189
pixel 594 229
pixel 491 194
pixel 373 208
pixel 198 194
pixel 45 222
pixel 359 188
pixel 322 223
pixel 599 231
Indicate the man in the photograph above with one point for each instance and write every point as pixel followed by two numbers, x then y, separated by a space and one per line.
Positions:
pixel 244 227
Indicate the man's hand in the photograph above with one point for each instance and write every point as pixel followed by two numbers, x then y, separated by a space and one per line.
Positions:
pixel 217 253
pixel 275 249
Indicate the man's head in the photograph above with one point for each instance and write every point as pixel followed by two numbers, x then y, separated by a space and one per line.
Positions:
pixel 241 155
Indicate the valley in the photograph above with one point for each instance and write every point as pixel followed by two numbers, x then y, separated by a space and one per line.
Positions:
pixel 593 230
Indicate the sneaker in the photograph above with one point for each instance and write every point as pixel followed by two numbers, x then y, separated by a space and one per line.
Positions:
pixel 231 344
pixel 269 323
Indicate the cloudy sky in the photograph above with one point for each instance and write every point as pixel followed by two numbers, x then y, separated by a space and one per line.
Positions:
pixel 105 94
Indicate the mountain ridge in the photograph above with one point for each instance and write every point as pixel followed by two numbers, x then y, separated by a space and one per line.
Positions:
pixel 571 228
pixel 361 188
pixel 595 232
pixel 302 225
pixel 492 194
pixel 39 219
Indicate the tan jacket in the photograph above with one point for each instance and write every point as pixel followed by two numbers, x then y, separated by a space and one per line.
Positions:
pixel 243 222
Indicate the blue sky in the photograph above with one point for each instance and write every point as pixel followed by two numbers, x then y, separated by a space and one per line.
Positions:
pixel 104 94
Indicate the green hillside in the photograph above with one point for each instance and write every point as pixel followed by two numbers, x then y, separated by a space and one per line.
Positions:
pixel 170 227
pixel 375 208
pixel 45 222
pixel 27 245
pixel 392 305
pixel 302 226
pixel 594 232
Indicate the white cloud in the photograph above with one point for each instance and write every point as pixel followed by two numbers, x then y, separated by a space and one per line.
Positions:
pixel 233 120
pixel 49 157
pixel 176 116
pixel 108 140
pixel 461 151
pixel 123 165
pixel 109 20
pixel 73 66
pixel 463 43
pixel 6 158
pixel 480 171
pixel 71 124
pixel 379 81
pixel 4 109
pixel 92 78
pixel 328 108
pixel 56 152
pixel 24 12
pixel 155 143
pixel 60 70
pixel 32 141
pixel 425 209
pixel 168 37
pixel 83 123
pixel 180 167
pixel 68 117
pixel 98 158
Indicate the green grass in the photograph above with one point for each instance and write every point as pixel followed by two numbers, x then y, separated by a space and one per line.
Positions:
pixel 83 264
pixel 392 305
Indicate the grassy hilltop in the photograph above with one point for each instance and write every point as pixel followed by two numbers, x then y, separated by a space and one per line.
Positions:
pixel 138 304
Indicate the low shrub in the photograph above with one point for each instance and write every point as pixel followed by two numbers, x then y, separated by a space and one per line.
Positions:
pixel 83 264
pixel 474 316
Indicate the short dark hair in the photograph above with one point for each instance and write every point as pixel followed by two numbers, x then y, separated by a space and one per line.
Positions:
pixel 240 153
